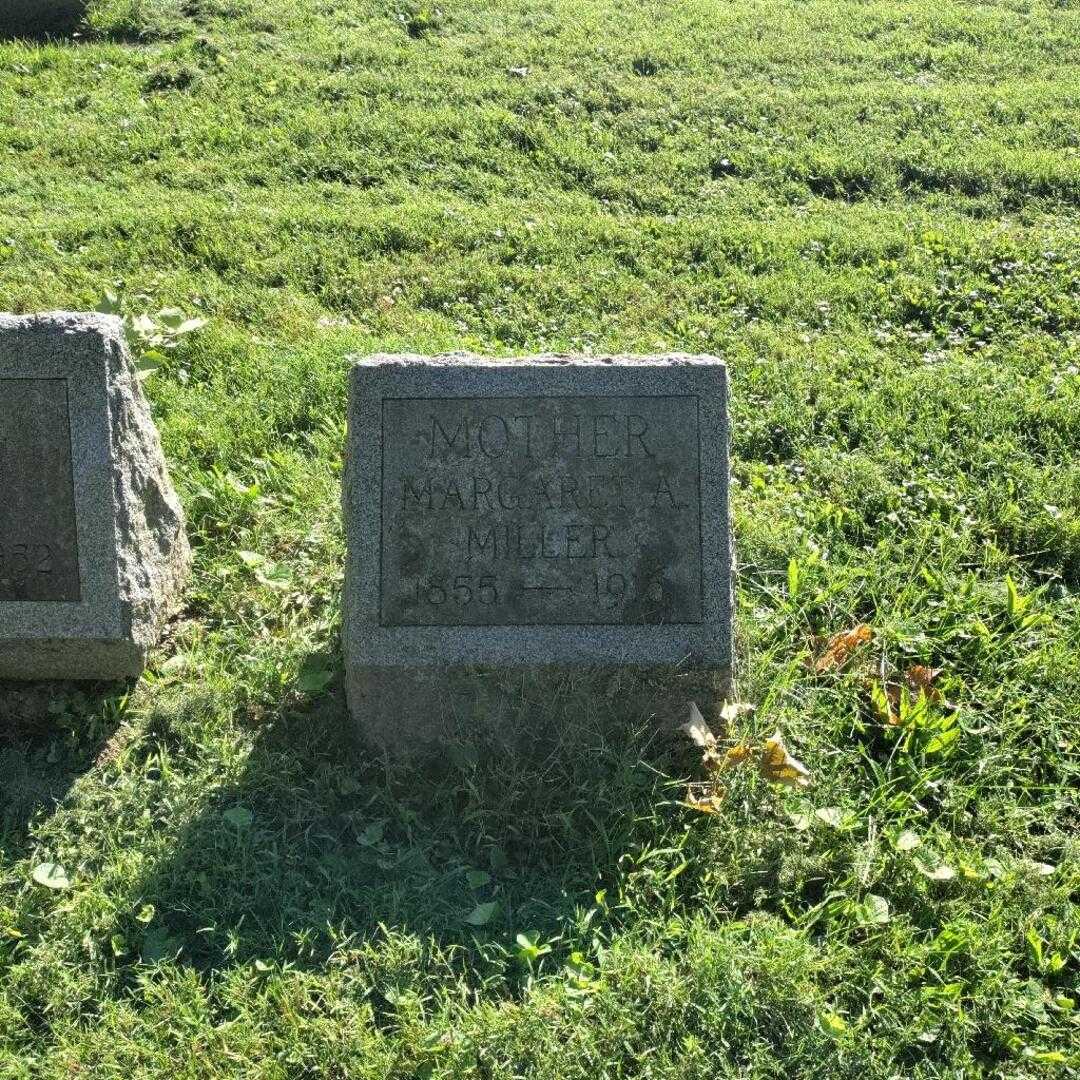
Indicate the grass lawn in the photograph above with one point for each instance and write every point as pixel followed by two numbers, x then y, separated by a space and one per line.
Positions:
pixel 871 209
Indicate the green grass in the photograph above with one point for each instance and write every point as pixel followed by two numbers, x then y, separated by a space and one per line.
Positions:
pixel 872 210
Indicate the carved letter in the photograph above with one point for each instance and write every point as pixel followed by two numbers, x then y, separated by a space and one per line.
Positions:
pixel 421 495
pixel 600 534
pixel 481 488
pixel 568 492
pixel 528 425
pixel 545 551
pixel 642 426
pixel 450 442
pixel 485 434
pixel 479 543
pixel 542 493
pixel 453 492
pixel 664 488
pixel 521 552
pixel 575 546
pixel 599 433
pixel 508 500
pixel 558 431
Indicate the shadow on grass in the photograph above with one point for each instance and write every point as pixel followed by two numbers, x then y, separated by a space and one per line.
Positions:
pixel 322 847
pixel 40 20
pixel 50 734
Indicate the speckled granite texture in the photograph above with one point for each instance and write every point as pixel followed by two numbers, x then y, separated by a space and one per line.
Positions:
pixel 132 552
pixel 548 515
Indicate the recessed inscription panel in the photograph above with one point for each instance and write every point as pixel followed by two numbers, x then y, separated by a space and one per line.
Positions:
pixel 39 557
pixel 541 511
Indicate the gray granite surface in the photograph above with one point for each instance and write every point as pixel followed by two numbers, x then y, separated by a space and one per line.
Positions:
pixel 546 513
pixel 93 554
pixel 26 18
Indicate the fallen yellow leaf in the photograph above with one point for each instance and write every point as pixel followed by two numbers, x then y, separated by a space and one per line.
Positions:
pixel 708 801
pixel 699 732
pixel 840 647
pixel 736 755
pixel 779 767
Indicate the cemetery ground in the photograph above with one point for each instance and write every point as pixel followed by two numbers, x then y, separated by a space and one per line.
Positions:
pixel 871 211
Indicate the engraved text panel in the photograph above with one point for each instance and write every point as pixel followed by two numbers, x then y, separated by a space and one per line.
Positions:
pixel 39 557
pixel 541 511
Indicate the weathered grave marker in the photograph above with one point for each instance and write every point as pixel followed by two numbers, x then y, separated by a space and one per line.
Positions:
pixel 92 546
pixel 29 18
pixel 540 513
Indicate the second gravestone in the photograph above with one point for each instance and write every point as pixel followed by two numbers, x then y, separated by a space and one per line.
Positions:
pixel 534 515
pixel 92 546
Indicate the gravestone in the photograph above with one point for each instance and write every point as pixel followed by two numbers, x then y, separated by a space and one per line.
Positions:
pixel 544 515
pixel 93 553
pixel 31 18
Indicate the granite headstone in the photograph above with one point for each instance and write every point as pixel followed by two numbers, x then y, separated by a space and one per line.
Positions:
pixel 30 18
pixel 93 553
pixel 546 514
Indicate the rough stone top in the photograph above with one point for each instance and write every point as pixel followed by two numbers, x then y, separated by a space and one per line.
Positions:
pixel 65 322
pixel 65 342
pixel 462 359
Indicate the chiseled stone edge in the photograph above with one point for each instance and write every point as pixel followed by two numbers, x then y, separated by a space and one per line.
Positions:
pixel 152 550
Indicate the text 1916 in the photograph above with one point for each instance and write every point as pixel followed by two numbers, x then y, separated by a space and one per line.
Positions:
pixel 20 561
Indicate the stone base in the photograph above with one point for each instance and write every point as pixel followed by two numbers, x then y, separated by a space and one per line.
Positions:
pixel 412 712
pixel 78 660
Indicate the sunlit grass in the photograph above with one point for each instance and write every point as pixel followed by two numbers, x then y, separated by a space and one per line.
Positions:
pixel 870 210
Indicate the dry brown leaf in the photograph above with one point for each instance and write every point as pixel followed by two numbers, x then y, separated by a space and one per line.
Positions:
pixel 918 679
pixel 921 678
pixel 840 647
pixel 736 755
pixel 779 767
pixel 699 732
pixel 706 799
